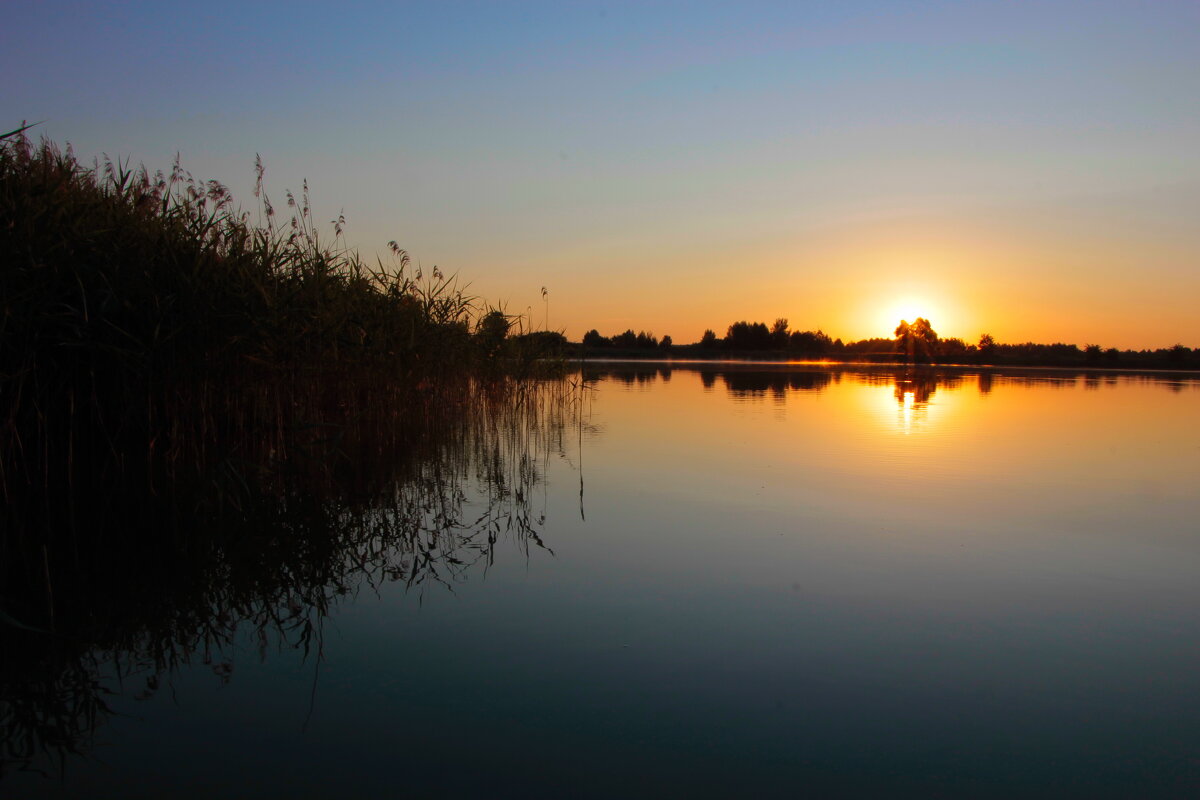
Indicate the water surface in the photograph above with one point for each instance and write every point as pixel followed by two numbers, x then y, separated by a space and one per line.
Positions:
pixel 727 581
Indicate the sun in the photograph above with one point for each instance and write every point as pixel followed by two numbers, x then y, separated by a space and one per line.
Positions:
pixel 907 308
pixel 881 311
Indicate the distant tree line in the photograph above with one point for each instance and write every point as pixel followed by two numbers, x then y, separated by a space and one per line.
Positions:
pixel 739 337
pixel 642 340
pixel 914 342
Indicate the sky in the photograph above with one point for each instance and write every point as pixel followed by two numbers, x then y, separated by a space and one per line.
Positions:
pixel 1026 169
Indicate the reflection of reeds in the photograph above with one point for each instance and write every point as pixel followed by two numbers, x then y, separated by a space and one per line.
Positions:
pixel 262 539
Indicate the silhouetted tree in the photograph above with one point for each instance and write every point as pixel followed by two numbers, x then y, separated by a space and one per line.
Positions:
pixel 779 334
pixel 748 336
pixel 709 339
pixel 628 339
pixel 905 343
pixel 593 339
pixel 665 342
pixel 491 331
pixel 926 338
pixel 916 342
pixel 874 347
pixel 952 348
pixel 1032 353
pixel 1178 354
pixel 809 343
pixel 987 346
pixel 904 340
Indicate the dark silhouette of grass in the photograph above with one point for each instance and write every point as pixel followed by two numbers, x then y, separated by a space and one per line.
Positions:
pixel 141 310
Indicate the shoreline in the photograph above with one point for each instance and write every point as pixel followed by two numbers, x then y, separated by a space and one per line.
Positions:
pixel 881 366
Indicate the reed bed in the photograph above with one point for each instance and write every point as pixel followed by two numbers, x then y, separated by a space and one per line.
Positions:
pixel 139 309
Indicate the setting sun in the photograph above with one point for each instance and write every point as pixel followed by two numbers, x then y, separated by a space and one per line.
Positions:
pixel 909 308
pixel 889 311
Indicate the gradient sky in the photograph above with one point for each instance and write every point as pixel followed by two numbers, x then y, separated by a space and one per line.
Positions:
pixel 1027 169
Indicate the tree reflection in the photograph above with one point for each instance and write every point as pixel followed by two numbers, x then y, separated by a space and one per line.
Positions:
pixel 750 384
pixel 913 393
pixel 911 385
pixel 915 390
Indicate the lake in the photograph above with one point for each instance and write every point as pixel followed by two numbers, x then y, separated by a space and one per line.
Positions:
pixel 705 580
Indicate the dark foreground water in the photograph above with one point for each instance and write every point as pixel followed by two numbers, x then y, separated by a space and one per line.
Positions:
pixel 698 582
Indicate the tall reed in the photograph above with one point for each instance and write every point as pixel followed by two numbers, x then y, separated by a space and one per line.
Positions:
pixel 139 307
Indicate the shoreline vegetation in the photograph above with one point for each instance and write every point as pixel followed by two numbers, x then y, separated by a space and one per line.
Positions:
pixel 915 343
pixel 212 421
pixel 141 312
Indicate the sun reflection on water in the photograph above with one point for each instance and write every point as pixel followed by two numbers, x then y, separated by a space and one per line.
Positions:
pixel 908 402
pixel 913 394
pixel 903 403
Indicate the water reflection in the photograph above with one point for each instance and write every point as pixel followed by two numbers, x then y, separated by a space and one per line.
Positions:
pixel 907 399
pixel 915 391
pixel 110 588
pixel 750 385
pixel 912 388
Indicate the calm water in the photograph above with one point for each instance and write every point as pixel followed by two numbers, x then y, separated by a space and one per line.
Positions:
pixel 748 583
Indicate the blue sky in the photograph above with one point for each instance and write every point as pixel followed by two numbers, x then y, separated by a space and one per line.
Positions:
pixel 1025 168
